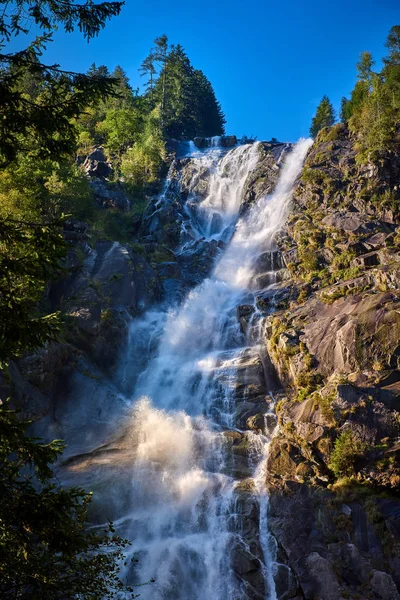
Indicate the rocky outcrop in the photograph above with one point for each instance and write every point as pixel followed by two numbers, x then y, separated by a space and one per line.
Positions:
pixel 335 346
pixel 106 285
pixel 109 195
pixel 166 220
pixel 335 549
pixel 96 164
pixel 262 179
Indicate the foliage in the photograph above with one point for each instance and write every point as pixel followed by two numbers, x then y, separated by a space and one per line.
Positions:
pixel 41 190
pixel 373 111
pixel 188 106
pixel 141 163
pixel 178 102
pixel 29 257
pixel 345 110
pixel 347 451
pixel 45 548
pixel 121 128
pixel 324 116
pixel 57 96
pixel 45 551
pixel 376 123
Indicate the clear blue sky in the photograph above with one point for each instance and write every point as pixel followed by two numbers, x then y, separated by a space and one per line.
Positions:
pixel 270 61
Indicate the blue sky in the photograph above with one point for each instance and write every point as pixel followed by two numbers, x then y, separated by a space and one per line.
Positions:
pixel 270 62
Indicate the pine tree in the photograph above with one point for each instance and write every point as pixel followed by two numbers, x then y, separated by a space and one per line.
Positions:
pixel 122 89
pixel 148 69
pixel 160 54
pixel 46 551
pixel 210 119
pixel 101 71
pixel 393 46
pixel 364 67
pixel 191 107
pixel 324 116
pixel 65 94
pixel 345 109
pixel 391 70
pixel 375 102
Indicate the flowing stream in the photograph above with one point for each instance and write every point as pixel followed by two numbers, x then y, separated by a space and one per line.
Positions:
pixel 188 483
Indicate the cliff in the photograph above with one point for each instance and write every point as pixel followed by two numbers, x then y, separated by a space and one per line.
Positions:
pixel 329 354
pixel 333 468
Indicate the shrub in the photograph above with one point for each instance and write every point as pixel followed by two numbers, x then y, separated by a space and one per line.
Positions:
pixel 347 451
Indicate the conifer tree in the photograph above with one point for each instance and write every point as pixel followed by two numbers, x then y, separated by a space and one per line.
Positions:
pixel 160 55
pixel 46 551
pixel 324 116
pixel 191 107
pixel 364 67
pixel 345 109
pixel 65 94
pixel 391 70
pixel 148 69
pixel 210 120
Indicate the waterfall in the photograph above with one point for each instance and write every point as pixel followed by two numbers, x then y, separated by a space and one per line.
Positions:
pixel 187 487
pixel 214 216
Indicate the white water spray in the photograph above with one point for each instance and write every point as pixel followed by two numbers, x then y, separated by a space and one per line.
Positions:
pixel 185 506
pixel 217 212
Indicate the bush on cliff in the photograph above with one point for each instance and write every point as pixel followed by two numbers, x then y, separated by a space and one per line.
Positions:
pixel 347 451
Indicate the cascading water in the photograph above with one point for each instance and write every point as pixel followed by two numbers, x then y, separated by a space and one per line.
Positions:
pixel 188 487
pixel 215 214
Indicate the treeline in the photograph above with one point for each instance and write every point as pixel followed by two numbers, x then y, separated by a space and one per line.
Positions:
pixel 179 102
pixel 372 112
pixel 49 116
pixel 40 179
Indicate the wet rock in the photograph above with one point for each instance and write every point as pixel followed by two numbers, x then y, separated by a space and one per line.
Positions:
pixel 201 143
pixel 259 423
pixel 194 179
pixel 248 569
pixel 285 462
pixel 263 178
pixel 263 302
pixel 245 310
pixel 225 141
pixel 108 284
pixel 269 261
pixel 285 582
pixel 228 141
pixel 83 425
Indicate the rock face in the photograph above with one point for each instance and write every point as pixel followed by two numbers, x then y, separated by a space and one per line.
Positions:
pixel 109 195
pixel 331 356
pixel 96 164
pixel 107 284
pixel 335 346
pixel 263 178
